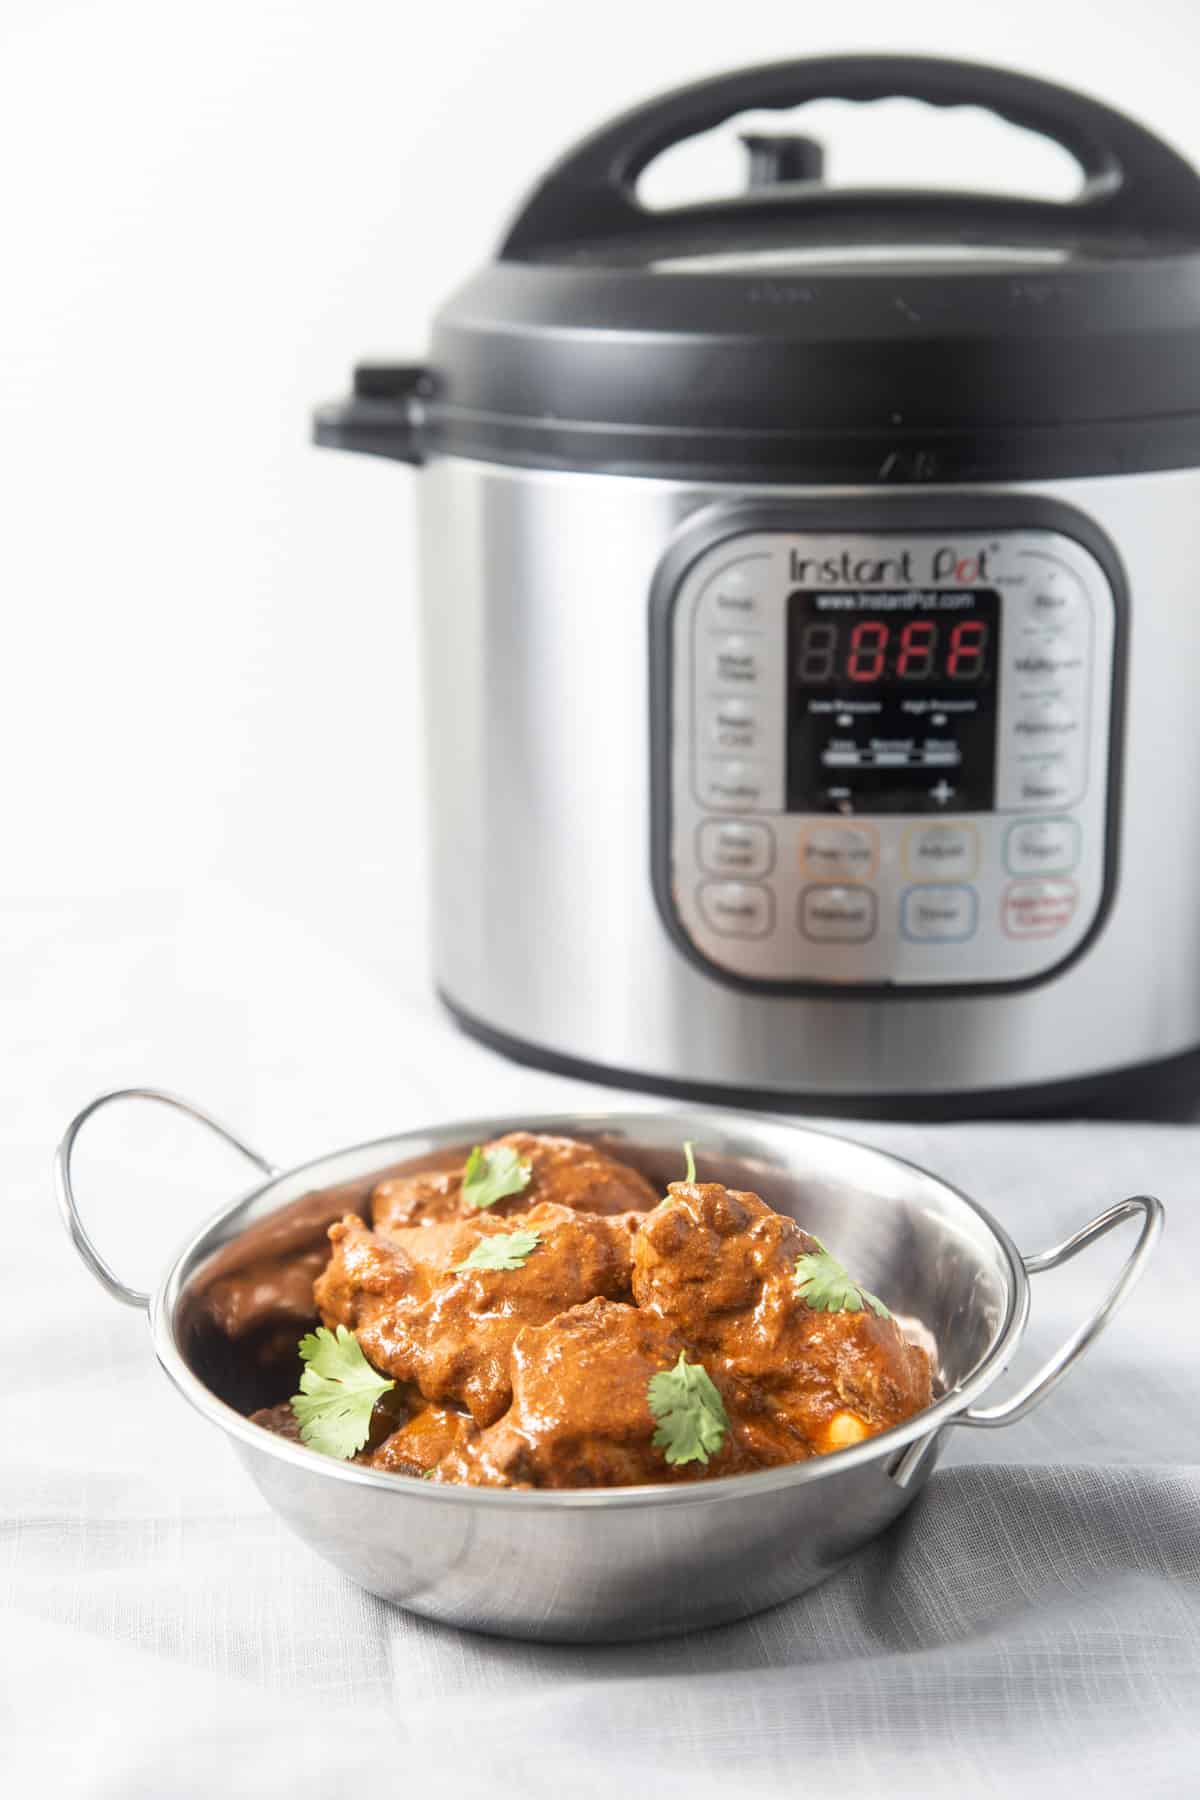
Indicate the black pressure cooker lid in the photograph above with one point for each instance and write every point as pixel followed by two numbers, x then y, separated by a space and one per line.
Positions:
pixel 801 332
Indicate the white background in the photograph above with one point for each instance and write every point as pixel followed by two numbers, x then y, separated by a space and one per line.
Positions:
pixel 212 864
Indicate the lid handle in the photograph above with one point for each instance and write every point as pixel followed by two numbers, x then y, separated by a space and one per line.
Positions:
pixel 1133 182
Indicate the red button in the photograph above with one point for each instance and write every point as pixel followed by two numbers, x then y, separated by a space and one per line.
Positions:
pixel 1039 908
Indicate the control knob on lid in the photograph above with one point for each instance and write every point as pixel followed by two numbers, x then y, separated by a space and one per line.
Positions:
pixel 777 157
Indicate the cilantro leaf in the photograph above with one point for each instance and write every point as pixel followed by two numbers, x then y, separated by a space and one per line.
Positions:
pixel 338 1391
pixel 492 1175
pixel 823 1284
pixel 508 1252
pixel 692 1421
pixel 689 1151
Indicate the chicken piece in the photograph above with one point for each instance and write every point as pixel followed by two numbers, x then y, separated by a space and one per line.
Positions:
pixel 430 1198
pixel 280 1420
pixel 420 1318
pixel 428 1436
pixel 580 1415
pixel 561 1169
pixel 274 1291
pixel 719 1267
pixel 262 1280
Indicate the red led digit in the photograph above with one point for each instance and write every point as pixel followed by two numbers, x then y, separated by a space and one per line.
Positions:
pixel 918 643
pixel 868 650
pixel 818 642
pixel 968 642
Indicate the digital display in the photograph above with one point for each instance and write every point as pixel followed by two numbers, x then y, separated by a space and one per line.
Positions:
pixel 892 700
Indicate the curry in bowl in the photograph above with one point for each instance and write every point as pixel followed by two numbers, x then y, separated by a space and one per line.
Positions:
pixel 539 1316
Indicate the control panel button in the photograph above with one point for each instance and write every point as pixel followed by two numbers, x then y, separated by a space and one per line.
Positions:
pixel 1049 721
pixel 945 914
pixel 1055 599
pixel 1052 660
pixel 1042 847
pixel 734 663
pixel 839 852
pixel 729 786
pixel 735 847
pixel 1048 784
pixel 737 908
pixel 838 915
pixel 1039 908
pixel 733 723
pixel 737 597
pixel 938 852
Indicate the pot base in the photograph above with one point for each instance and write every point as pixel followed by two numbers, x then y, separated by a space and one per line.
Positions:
pixel 1166 1088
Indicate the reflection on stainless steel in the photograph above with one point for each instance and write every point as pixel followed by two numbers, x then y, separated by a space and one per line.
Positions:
pixel 602 1564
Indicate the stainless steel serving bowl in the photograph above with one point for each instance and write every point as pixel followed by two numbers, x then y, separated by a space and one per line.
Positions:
pixel 589 1565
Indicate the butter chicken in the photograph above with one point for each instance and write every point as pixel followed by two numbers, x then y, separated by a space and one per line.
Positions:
pixel 537 1316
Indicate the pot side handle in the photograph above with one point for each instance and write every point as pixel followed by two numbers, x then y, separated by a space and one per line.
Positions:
pixel 64 1185
pixel 1047 1378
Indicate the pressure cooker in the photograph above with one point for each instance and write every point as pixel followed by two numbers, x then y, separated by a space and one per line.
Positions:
pixel 809 625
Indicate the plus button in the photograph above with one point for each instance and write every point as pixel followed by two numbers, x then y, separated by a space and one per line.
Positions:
pixel 942 792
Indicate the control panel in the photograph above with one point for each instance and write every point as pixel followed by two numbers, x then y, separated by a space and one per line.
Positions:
pixel 887 761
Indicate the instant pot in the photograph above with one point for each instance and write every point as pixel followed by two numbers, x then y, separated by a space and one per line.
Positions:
pixel 810 638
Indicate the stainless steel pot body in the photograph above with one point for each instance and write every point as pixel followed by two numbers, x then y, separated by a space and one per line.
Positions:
pixel 595 1565
pixel 535 597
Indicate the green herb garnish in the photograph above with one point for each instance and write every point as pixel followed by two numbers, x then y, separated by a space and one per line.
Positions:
pixel 692 1421
pixel 492 1175
pixel 689 1151
pixel 509 1251
pixel 338 1391
pixel 823 1284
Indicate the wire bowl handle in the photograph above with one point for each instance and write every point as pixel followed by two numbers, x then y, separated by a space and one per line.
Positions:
pixel 64 1184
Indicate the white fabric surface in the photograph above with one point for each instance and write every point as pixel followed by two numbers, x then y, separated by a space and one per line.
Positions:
pixel 1033 1625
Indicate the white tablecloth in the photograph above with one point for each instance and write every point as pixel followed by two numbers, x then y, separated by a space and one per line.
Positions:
pixel 1033 1625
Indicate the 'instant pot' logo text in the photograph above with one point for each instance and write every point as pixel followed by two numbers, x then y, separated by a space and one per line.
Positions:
pixel 946 565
